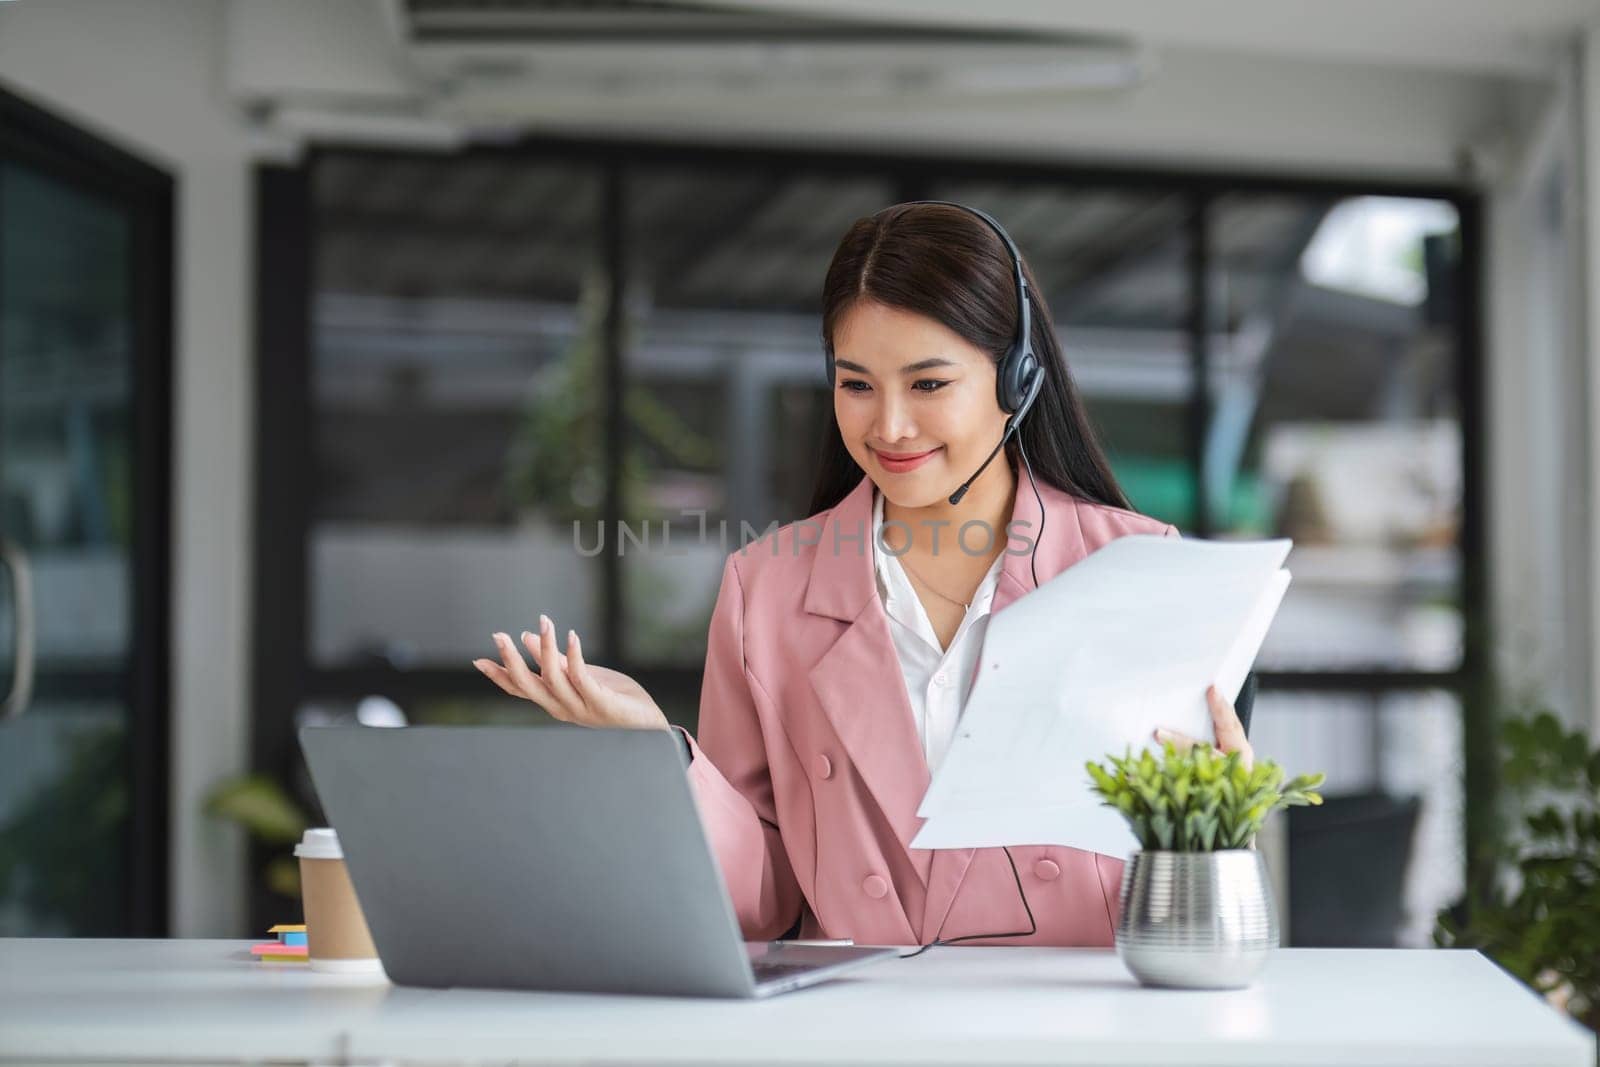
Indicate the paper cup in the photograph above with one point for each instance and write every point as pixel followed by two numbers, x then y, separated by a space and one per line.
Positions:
pixel 337 938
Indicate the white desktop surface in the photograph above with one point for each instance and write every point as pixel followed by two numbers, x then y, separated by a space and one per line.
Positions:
pixel 208 1001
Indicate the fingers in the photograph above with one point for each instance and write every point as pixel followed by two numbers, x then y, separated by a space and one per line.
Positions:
pixel 531 643
pixel 1225 721
pixel 578 671
pixel 1230 731
pixel 554 666
pixel 497 674
pixel 566 686
pixel 1181 741
pixel 524 682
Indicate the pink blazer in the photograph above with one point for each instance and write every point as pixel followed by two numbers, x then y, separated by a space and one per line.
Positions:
pixel 807 769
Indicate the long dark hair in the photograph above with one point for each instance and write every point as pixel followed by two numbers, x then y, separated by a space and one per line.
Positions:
pixel 944 263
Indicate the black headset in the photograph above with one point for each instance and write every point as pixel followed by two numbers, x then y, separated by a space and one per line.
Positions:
pixel 1019 375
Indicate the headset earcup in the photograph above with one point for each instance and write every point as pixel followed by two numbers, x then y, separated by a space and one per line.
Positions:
pixel 1012 378
pixel 1031 386
pixel 1005 390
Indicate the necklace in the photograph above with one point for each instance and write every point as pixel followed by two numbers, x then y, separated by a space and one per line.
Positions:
pixel 923 582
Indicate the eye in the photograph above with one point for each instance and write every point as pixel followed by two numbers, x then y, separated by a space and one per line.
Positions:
pixel 934 384
pixel 849 385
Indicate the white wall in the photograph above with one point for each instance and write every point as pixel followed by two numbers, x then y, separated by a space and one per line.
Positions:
pixel 1542 390
pixel 144 74
pixel 1538 535
pixel 1588 125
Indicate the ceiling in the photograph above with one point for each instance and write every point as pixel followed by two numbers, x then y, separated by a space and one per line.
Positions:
pixel 1405 89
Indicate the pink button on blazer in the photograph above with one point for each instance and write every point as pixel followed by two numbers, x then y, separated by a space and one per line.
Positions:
pixel 807 768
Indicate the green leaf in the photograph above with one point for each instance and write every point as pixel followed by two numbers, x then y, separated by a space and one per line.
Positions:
pixel 1547 730
pixel 1198 798
pixel 1533 909
pixel 260 805
pixel 283 876
pixel 1547 823
pixel 1575 754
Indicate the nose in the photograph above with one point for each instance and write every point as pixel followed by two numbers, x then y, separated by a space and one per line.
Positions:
pixel 893 422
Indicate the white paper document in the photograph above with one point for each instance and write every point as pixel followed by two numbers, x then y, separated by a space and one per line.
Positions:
pixel 1088 665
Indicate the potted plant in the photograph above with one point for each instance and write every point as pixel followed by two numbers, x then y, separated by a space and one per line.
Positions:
pixel 1537 911
pixel 1196 906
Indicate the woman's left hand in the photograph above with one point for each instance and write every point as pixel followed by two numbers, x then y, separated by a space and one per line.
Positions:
pixel 1225 721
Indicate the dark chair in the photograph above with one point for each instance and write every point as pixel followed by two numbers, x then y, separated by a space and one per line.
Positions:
pixel 1347 869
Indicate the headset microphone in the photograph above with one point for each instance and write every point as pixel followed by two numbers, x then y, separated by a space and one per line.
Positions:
pixel 1011 427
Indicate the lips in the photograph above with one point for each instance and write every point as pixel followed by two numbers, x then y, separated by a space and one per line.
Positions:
pixel 904 463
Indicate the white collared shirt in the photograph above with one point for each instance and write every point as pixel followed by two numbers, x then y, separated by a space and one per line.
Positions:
pixel 937 680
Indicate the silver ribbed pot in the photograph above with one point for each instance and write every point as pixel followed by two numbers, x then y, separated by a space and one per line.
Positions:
pixel 1196 920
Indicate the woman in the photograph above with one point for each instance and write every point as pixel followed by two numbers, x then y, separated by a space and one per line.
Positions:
pixel 842 646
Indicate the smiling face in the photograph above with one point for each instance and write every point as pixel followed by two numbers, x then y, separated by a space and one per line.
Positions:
pixel 908 386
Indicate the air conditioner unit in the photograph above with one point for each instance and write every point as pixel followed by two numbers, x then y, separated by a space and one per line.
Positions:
pixel 502 55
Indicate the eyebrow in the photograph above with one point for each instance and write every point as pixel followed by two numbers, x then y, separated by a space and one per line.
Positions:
pixel 909 368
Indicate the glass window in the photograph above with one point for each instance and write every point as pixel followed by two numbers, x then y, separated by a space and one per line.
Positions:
pixel 457 331
pixel 67 373
pixel 727 393
pixel 1336 422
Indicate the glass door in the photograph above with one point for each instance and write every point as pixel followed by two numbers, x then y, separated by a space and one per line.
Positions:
pixel 84 303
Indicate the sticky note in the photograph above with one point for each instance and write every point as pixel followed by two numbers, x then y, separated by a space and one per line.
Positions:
pixel 276 948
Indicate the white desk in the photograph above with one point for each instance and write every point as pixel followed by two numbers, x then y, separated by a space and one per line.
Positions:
pixel 208 1001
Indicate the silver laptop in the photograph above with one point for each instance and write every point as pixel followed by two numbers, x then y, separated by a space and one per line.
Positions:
pixel 549 857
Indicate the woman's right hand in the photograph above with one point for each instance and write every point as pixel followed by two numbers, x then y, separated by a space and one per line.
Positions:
pixel 567 687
